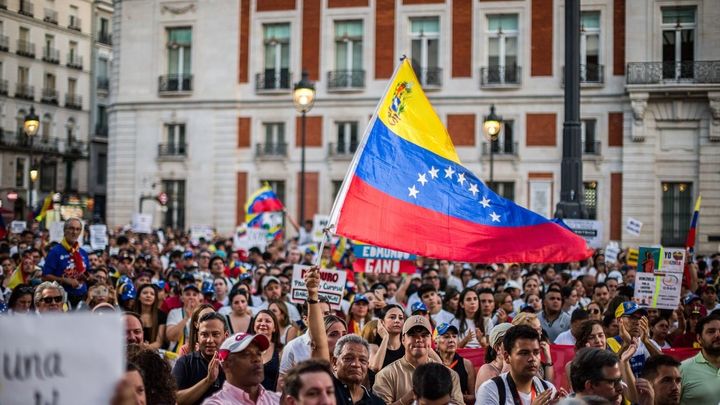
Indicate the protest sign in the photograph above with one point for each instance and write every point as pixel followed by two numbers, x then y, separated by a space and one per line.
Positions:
pixel 246 238
pixel 320 222
pixel 673 261
pixel 56 230
pixel 201 231
pixel 590 230
pixel 98 236
pixel 60 366
pixel 384 266
pixel 633 226
pixel 332 285
pixel 363 251
pixel 632 257
pixel 142 223
pixel 649 259
pixel 658 290
pixel 18 226
pixel 612 250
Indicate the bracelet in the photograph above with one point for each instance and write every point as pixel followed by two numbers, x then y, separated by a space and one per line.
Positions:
pixel 309 301
pixel 547 364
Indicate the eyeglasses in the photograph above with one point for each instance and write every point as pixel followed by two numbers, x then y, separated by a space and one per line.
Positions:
pixel 431 278
pixel 49 300
pixel 616 382
pixel 500 280
pixel 594 311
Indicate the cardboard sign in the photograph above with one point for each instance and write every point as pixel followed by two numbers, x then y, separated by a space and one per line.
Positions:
pixel 61 366
pixel 612 250
pixel 590 230
pixel 56 231
pixel 320 222
pixel 142 223
pixel 633 226
pixel 201 231
pixel 384 266
pixel 332 285
pixel 98 236
pixel 245 238
pixel 649 259
pixel 655 290
pixel 673 260
pixel 18 226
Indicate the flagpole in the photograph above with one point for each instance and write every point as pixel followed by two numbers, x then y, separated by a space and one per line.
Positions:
pixel 340 198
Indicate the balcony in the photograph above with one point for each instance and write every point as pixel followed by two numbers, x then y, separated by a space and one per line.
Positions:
pixel 430 77
pixel 75 149
pixel 101 129
pixel 271 150
pixel 590 74
pixel 500 76
pixel 174 83
pixel 273 82
pixel 3 87
pixel 104 38
pixel 75 23
pixel 74 61
pixel 25 48
pixel 25 92
pixel 4 43
pixel 51 16
pixel 346 80
pixel 73 101
pixel 689 72
pixel 49 96
pixel 26 8
pixel 21 142
pixel 591 148
pixel 342 150
pixel 51 55
pixel 3 4
pixel 509 149
pixel 103 84
pixel 172 150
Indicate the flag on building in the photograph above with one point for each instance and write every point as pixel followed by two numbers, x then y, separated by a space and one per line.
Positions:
pixel 262 200
pixel 407 190
pixel 691 236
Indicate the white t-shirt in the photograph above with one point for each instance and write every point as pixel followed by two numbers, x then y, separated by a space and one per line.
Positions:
pixel 442 317
pixel 292 310
pixel 174 317
pixel 295 351
pixel 565 338
pixel 487 394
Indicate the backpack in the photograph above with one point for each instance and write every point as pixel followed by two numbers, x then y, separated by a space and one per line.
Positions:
pixel 502 395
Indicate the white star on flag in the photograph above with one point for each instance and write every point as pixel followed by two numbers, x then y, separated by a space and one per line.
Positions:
pixel 461 178
pixel 433 172
pixel 473 189
pixel 449 172
pixel 421 178
pixel 485 202
pixel 495 217
pixel 413 191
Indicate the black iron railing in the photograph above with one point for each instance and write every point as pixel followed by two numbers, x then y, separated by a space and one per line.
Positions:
pixel 103 83
pixel 4 43
pixel 104 38
pixel 25 48
pixel 51 16
pixel 346 79
pixel 75 23
pixel 272 149
pixel 25 91
pixel 172 149
pixel 49 96
pixel 591 148
pixel 73 101
pixel 3 87
pixel 673 72
pixel 342 149
pixel 101 129
pixel 273 80
pixel 26 8
pixel 429 77
pixel 500 75
pixel 74 61
pixel 500 148
pixel 175 83
pixel 51 55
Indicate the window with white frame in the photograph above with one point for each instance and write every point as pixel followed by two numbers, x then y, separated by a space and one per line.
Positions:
pixel 179 54
pixel 678 42
pixel 274 138
pixel 46 127
pixel 504 144
pixel 590 70
pixel 425 49
pixel 348 54
pixel 588 137
pixel 175 139
pixel 676 212
pixel 502 48
pixel 347 137
pixel 20 172
pixel 276 39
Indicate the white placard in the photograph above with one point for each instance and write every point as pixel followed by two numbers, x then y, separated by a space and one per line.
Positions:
pixel 633 226
pixel 320 222
pixel 673 261
pixel 51 363
pixel 98 236
pixel 541 197
pixel 56 230
pixel 654 290
pixel 332 285
pixel 612 250
pixel 18 226
pixel 142 223
pixel 590 230
pixel 246 238
pixel 201 231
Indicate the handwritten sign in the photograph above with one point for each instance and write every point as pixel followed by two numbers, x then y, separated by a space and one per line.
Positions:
pixel 612 250
pixel 18 226
pixel 201 231
pixel 98 236
pixel 60 366
pixel 142 223
pixel 633 226
pixel 332 285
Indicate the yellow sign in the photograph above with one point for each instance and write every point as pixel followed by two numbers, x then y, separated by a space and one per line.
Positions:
pixel 632 257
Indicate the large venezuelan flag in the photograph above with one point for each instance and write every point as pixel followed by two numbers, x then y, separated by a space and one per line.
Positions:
pixel 407 190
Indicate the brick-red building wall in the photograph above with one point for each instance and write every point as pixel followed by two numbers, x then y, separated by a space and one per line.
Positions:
pixel 541 129
pixel 313 131
pixel 462 38
pixel 461 128
pixel 311 39
pixel 243 132
pixel 240 197
pixel 541 39
pixel 619 37
pixel 615 129
pixel 384 38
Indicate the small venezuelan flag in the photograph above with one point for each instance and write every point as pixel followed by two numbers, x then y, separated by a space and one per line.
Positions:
pixel 262 200
pixel 407 190
pixel 691 236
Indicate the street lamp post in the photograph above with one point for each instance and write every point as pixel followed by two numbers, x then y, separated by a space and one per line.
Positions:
pixel 303 98
pixel 492 126
pixel 31 124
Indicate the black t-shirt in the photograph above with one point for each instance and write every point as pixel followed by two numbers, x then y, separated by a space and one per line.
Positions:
pixel 343 397
pixel 191 369
pixel 161 320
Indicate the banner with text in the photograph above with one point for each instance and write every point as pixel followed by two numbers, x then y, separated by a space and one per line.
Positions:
pixel 332 285
pixel 373 259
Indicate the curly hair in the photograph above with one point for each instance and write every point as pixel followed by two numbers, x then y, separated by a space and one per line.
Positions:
pixel 160 385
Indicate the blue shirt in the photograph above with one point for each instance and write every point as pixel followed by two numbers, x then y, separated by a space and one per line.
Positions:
pixel 59 263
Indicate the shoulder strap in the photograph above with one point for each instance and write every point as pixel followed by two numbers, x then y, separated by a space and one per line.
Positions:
pixel 500 384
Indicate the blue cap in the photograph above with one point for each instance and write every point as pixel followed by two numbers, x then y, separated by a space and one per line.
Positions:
pixel 208 287
pixel 188 254
pixel 360 298
pixel 245 276
pixel 192 286
pixel 418 306
pixel 159 284
pixel 127 292
pixel 629 308
pixel 690 298
pixel 444 328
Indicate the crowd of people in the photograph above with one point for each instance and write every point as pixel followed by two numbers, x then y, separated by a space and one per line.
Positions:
pixel 209 324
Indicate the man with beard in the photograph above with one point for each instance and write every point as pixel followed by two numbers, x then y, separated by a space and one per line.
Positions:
pixel 663 372
pixel 241 358
pixel 393 384
pixel 701 374
pixel 198 374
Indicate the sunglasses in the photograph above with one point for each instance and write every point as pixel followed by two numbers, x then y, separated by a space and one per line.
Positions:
pixel 49 300
pixel 594 311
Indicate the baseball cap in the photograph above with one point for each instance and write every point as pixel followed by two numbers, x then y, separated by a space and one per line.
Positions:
pixel 359 298
pixel 444 328
pixel 239 342
pixel 498 333
pixel 416 321
pixel 628 308
pixel 690 298
pixel 191 286
pixel 269 279
pixel 245 276
pixel 707 288
pixel 698 309
pixel 208 287
pixel 187 278
pixel 616 275
pixel 418 307
pixel 512 284
pixel 127 292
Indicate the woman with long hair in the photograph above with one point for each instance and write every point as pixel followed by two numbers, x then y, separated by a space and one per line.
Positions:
pixel 534 301
pixel 288 331
pixel 191 344
pixel 594 311
pixel 451 300
pixel 591 334
pixel 265 323
pixel 21 299
pixel 659 330
pixel 239 318
pixel 153 320
pixel 387 346
pixel 358 313
pixel 469 321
